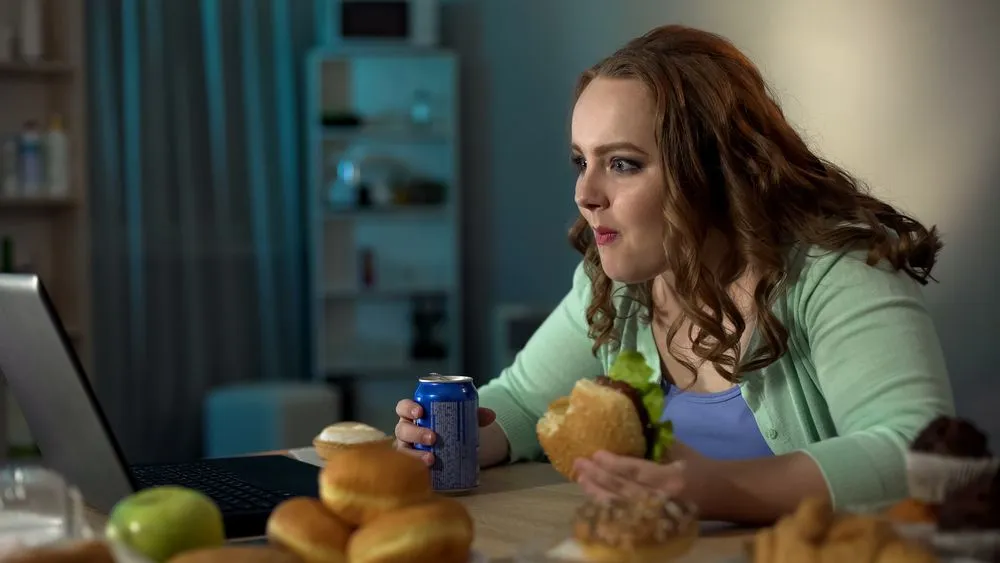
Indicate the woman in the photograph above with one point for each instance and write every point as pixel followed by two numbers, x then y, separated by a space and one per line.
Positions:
pixel 781 301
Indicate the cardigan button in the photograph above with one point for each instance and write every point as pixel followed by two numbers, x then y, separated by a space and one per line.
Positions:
pixel 772 433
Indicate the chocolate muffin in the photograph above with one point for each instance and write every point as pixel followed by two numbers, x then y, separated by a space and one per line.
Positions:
pixel 973 506
pixel 952 437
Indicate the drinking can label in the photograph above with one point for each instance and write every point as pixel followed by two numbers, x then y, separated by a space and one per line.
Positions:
pixel 451 410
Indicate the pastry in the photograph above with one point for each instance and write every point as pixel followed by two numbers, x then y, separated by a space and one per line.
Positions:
pixel 348 435
pixel 234 554
pixel 816 533
pixel 439 530
pixel 305 527
pixel 365 482
pixel 637 530
pixel 913 511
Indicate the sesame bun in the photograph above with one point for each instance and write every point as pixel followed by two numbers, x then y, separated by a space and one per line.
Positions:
pixel 364 483
pixel 593 417
pixel 306 528
pixel 438 530
pixel 349 435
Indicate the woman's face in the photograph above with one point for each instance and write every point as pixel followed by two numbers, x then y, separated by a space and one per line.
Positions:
pixel 621 182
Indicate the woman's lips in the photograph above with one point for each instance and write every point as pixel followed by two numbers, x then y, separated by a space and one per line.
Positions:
pixel 605 236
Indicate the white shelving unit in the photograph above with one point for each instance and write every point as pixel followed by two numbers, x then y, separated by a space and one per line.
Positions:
pixel 384 221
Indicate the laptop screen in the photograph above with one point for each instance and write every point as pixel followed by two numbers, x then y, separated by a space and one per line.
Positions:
pixel 47 382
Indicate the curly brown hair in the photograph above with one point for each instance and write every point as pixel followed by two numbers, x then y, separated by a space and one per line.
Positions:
pixel 735 165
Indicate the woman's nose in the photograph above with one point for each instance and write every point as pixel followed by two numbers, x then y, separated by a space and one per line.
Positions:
pixel 589 195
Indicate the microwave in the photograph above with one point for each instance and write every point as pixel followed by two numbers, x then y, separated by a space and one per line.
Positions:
pixel 413 23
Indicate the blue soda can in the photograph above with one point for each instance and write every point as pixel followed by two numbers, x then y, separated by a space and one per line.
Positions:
pixel 451 404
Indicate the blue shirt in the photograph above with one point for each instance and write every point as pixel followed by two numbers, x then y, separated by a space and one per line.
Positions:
pixel 717 425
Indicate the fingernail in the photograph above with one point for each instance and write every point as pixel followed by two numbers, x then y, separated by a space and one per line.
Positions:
pixel 428 438
pixel 415 413
pixel 426 458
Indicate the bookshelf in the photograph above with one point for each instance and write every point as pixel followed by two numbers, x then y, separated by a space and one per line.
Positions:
pixel 49 234
pixel 384 221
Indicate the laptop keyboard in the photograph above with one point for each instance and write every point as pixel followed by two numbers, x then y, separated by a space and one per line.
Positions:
pixel 227 490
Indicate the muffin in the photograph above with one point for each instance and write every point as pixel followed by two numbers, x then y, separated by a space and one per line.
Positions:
pixel 948 453
pixel 969 520
pixel 349 435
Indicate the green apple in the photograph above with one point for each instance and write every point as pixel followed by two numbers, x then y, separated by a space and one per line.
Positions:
pixel 163 521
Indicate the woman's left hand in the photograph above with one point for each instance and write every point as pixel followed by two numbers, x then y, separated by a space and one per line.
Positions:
pixel 606 475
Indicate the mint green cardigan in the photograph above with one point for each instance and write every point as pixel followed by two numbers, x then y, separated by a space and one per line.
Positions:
pixel 863 374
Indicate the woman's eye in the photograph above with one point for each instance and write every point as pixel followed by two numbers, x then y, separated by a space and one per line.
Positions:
pixel 579 164
pixel 624 166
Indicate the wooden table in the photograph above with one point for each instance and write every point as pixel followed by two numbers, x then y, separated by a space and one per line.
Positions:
pixel 531 504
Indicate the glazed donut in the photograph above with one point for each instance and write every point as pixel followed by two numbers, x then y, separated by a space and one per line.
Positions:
pixel 305 527
pixel 364 483
pixel 336 438
pixel 439 530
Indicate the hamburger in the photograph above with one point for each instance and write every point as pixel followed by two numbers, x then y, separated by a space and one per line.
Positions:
pixel 618 412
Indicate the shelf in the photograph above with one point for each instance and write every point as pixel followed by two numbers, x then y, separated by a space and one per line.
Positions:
pixel 45 68
pixel 36 202
pixel 364 370
pixel 367 332
pixel 387 293
pixel 437 210
pixel 384 135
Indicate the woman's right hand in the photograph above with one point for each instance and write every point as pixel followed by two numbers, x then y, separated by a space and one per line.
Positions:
pixel 408 433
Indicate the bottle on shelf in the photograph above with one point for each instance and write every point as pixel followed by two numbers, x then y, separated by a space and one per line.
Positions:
pixel 367 268
pixel 420 109
pixel 30 31
pixel 7 256
pixel 30 165
pixel 9 184
pixel 56 158
pixel 6 44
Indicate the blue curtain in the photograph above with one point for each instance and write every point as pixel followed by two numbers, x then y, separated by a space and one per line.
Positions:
pixel 197 196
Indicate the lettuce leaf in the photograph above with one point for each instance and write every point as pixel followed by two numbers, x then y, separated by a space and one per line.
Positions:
pixel 631 367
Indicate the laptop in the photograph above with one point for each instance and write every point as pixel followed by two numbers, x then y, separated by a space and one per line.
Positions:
pixel 67 422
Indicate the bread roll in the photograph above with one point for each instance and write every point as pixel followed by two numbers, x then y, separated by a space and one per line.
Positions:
pixel 306 528
pixel 336 438
pixel 439 530
pixel 234 554
pixel 594 417
pixel 364 483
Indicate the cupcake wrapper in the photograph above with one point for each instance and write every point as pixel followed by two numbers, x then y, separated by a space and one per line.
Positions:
pixel 930 476
pixel 978 545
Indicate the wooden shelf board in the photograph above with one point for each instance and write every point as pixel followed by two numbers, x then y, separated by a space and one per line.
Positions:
pixel 36 202
pixel 44 68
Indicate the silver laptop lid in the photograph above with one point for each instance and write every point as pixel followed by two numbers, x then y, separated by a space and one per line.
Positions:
pixel 47 381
